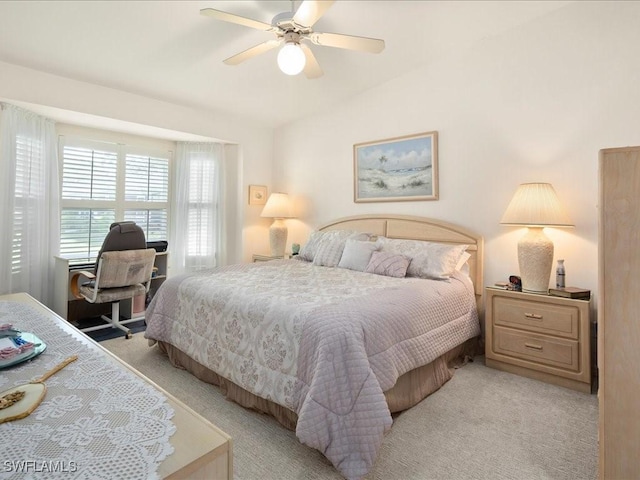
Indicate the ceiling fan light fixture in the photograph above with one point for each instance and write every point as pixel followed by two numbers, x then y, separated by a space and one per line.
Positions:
pixel 292 29
pixel 291 58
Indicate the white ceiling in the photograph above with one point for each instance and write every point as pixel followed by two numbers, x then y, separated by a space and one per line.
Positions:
pixel 168 51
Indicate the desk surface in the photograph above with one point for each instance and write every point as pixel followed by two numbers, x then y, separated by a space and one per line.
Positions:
pixel 201 450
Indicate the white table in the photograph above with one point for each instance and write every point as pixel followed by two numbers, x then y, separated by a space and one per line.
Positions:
pixel 201 450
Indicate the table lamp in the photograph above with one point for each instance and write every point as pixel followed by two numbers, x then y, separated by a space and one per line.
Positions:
pixel 535 205
pixel 278 208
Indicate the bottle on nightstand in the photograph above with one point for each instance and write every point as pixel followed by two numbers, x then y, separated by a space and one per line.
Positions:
pixel 560 274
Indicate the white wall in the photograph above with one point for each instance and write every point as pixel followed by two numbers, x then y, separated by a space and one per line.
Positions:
pixel 252 144
pixel 533 105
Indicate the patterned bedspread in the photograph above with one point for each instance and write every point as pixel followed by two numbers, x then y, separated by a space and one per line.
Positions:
pixel 323 342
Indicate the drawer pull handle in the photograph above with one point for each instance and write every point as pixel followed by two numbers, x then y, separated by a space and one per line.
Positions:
pixel 531 345
pixel 535 316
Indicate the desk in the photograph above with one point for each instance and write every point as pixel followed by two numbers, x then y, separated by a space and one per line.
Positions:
pixel 201 450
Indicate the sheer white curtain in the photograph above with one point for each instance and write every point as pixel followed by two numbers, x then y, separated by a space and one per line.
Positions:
pixel 29 203
pixel 196 207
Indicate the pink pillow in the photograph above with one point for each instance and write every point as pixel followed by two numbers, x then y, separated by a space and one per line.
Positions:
pixel 388 264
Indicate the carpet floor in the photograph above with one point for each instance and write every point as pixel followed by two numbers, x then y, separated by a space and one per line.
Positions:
pixel 482 424
pixel 109 332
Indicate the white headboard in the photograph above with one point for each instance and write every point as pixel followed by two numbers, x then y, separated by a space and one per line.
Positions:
pixel 418 228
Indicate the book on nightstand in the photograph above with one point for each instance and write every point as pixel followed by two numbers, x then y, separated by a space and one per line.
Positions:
pixel 571 292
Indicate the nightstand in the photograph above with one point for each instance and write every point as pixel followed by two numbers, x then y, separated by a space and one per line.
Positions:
pixel 539 336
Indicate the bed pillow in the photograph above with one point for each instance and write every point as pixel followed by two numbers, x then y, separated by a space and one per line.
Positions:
pixel 331 245
pixel 356 254
pixel 462 265
pixel 408 248
pixel 438 262
pixel 388 264
pixel 309 249
pixel 432 260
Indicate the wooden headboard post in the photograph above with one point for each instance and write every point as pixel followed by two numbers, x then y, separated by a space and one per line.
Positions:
pixel 419 228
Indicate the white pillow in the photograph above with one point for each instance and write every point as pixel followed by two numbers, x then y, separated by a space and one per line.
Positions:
pixel 462 263
pixel 330 245
pixel 409 248
pixel 439 262
pixel 432 260
pixel 356 254
pixel 308 250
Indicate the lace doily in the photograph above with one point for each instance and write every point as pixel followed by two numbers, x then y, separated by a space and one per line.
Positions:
pixel 98 420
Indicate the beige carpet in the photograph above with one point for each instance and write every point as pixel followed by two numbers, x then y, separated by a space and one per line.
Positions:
pixel 483 424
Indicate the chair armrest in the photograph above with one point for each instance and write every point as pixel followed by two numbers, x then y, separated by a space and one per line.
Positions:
pixel 73 283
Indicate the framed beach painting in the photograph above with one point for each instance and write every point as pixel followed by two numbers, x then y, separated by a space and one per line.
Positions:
pixel 396 169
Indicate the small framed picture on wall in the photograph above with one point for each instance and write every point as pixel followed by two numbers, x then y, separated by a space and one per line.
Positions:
pixel 257 194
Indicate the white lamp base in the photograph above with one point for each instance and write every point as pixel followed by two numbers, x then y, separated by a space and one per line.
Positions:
pixel 277 237
pixel 535 258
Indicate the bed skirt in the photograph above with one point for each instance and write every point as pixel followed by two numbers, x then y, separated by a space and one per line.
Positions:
pixel 409 390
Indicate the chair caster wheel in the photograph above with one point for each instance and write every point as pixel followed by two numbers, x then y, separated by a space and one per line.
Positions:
pixel 128 335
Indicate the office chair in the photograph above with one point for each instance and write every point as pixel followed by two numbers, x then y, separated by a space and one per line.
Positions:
pixel 123 271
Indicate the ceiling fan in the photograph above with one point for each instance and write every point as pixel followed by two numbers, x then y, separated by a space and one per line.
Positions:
pixel 294 30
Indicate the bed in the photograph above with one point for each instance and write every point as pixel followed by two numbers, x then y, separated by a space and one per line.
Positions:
pixel 330 352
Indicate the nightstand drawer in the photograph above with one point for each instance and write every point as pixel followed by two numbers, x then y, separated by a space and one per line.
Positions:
pixel 541 349
pixel 560 320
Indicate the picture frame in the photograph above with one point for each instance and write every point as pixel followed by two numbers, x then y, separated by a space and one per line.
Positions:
pixel 257 194
pixel 396 169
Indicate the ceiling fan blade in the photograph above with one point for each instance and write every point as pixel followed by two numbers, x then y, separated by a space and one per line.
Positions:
pixel 252 52
pixel 311 67
pixel 350 42
pixel 230 17
pixel 310 11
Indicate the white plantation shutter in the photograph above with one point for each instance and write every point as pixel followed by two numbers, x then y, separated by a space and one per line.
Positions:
pixel 147 179
pixel 29 188
pixel 21 195
pixel 153 222
pixel 83 231
pixel 147 192
pixel 106 182
pixel 196 225
pixel 89 174
pixel 201 206
pixel 17 240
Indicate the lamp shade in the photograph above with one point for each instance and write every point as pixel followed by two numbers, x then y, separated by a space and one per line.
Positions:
pixel 536 205
pixel 277 206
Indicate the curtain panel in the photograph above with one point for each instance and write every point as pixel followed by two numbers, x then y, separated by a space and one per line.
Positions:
pixel 30 205
pixel 196 207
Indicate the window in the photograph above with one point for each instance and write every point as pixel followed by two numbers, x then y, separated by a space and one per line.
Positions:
pixel 201 208
pixel 197 211
pixel 107 182
pixel 27 182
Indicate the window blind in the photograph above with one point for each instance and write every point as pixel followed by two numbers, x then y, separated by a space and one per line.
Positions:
pixel 82 232
pixel 27 185
pixel 89 174
pixel 147 178
pixel 153 222
pixel 107 182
